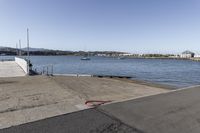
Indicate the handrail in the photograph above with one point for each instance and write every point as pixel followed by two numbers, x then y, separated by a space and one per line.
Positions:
pixel 45 70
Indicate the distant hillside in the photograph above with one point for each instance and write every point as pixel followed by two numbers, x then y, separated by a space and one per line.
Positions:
pixel 6 48
pixel 35 49
pixel 42 51
pixel 7 51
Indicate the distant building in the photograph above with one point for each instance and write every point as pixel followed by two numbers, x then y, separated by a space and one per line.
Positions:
pixel 174 56
pixel 197 56
pixel 101 55
pixel 187 54
pixel 125 54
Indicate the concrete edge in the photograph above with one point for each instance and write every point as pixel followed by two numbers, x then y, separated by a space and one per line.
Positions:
pixel 22 63
pixel 162 93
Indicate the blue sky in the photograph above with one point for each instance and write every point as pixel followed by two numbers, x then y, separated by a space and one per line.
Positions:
pixel 141 26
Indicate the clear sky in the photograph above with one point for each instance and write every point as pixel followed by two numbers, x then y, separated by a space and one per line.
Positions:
pixel 161 26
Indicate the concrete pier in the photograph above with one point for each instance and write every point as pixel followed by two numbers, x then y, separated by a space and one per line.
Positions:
pixel 16 68
pixel 10 69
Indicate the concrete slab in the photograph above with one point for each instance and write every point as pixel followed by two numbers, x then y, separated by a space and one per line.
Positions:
pixel 91 88
pixel 175 112
pixel 10 69
pixel 28 99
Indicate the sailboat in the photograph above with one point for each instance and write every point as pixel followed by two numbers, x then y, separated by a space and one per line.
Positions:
pixel 122 58
pixel 86 57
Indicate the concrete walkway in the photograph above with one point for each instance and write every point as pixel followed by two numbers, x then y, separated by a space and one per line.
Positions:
pixel 27 99
pixel 173 112
pixel 10 69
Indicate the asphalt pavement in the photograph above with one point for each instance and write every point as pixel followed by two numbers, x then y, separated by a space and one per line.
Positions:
pixel 87 121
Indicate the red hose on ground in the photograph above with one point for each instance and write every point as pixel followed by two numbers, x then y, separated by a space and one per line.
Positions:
pixel 95 103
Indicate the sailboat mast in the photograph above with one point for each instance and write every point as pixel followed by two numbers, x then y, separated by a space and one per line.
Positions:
pixel 28 44
pixel 17 49
pixel 20 53
pixel 28 56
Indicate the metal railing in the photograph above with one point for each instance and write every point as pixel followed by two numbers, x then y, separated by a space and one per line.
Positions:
pixel 44 70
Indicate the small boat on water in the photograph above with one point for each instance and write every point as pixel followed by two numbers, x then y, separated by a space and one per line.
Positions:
pixel 121 58
pixel 85 58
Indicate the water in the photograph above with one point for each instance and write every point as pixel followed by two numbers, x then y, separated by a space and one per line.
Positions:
pixel 180 73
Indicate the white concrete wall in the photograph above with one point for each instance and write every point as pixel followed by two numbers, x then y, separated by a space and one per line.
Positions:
pixel 22 63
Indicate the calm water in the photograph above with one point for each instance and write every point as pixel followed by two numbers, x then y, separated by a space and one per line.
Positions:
pixel 180 73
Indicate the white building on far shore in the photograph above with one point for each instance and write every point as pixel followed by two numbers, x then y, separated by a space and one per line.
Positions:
pixel 187 54
pixel 125 54
pixel 197 56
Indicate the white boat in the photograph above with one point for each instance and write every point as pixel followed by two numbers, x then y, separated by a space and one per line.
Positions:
pixel 85 58
pixel 121 58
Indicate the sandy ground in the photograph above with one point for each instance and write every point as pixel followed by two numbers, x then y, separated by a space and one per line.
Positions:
pixel 10 69
pixel 27 99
